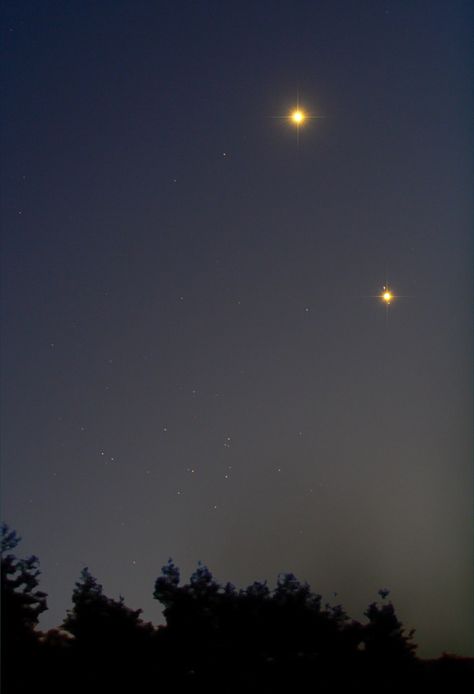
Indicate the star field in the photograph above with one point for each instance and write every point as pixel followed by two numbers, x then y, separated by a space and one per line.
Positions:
pixel 198 361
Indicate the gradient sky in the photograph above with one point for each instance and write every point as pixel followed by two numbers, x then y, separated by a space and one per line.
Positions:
pixel 195 361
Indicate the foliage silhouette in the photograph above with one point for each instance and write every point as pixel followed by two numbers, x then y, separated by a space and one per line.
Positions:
pixel 217 638
pixel 269 638
pixel 95 617
pixel 105 631
pixel 21 605
pixel 384 636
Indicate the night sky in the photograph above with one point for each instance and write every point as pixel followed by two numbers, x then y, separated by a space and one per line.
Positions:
pixel 196 359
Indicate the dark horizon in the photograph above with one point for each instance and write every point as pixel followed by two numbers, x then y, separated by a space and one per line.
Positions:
pixel 216 638
pixel 196 360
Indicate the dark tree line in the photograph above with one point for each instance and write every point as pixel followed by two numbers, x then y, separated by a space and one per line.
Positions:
pixel 216 638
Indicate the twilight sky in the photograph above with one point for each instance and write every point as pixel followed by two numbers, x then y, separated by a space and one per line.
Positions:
pixel 195 361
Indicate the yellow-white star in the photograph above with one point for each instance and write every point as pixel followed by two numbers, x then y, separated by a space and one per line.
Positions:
pixel 298 116
pixel 387 295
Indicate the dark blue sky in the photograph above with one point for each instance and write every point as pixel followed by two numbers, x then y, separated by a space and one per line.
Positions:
pixel 195 360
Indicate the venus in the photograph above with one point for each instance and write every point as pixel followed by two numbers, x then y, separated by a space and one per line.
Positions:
pixel 387 295
pixel 297 117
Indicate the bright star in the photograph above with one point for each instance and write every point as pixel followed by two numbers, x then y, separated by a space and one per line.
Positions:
pixel 387 295
pixel 297 117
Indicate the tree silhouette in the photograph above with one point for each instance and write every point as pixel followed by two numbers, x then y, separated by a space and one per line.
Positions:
pixel 389 652
pixel 216 638
pixel 384 635
pixel 22 603
pixel 257 634
pixel 95 616
pixel 106 633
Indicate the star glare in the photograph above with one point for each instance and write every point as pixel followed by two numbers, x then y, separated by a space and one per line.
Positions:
pixel 387 295
pixel 298 117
